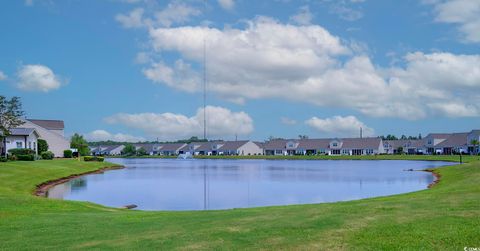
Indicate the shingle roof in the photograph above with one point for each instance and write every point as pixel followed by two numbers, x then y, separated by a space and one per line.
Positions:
pixel 361 143
pixel 456 139
pixel 405 143
pixel 232 145
pixel 171 147
pixel 439 135
pixel 275 144
pixel 49 124
pixel 309 144
pixel 21 131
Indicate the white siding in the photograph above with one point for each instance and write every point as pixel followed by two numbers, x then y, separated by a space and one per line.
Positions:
pixel 250 148
pixel 56 143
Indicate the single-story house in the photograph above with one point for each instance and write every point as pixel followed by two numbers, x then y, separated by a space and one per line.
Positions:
pixel 170 149
pixel 241 147
pixel 107 150
pixel 20 138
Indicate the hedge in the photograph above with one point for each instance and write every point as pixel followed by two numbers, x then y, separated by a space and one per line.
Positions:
pixel 21 151
pixel 93 158
pixel 47 155
pixel 67 154
pixel 26 157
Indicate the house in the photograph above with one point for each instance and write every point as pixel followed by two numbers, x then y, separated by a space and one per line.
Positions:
pixel 242 147
pixel 432 140
pixel 313 146
pixel 20 138
pixel 473 135
pixel 404 146
pixel 170 149
pixel 52 131
pixel 455 143
pixel 356 146
pixel 276 147
pixel 107 150
pixel 191 148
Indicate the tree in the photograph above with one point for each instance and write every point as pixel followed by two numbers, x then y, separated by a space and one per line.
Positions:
pixel 475 144
pixel 141 152
pixel 129 150
pixel 302 136
pixel 403 137
pixel 42 145
pixel 10 115
pixel 77 141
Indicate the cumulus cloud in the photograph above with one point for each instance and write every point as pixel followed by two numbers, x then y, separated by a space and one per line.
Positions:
pixel 221 122
pixel 3 76
pixel 227 4
pixel 303 17
pixel 288 121
pixel 464 13
pixel 176 12
pixel 134 19
pixel 348 126
pixel 102 135
pixel 262 61
pixel 37 78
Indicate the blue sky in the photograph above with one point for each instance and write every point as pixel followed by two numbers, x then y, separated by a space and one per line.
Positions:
pixel 132 69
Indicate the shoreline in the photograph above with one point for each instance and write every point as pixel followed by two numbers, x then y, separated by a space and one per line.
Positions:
pixel 42 188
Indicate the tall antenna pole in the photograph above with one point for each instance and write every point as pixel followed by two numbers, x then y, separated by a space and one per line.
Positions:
pixel 205 80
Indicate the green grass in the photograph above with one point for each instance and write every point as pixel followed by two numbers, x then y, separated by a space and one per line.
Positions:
pixel 446 217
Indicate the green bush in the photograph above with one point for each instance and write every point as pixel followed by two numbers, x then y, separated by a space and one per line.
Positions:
pixel 67 154
pixel 93 158
pixel 26 157
pixel 3 159
pixel 47 155
pixel 21 151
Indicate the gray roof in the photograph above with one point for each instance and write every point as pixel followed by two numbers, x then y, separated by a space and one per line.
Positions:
pixel 456 139
pixel 276 144
pixel 438 135
pixel 207 146
pixel 415 143
pixel 147 147
pixel 232 145
pixel 309 144
pixel 49 124
pixel 361 143
pixel 22 131
pixel 172 147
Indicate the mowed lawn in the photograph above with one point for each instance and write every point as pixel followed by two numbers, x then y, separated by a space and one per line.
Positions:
pixel 446 217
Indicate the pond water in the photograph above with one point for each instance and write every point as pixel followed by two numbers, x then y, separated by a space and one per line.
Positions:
pixel 172 184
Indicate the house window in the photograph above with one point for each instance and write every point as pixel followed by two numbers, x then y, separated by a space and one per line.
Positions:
pixel 335 152
pixel 30 144
pixel 345 152
pixel 335 144
pixel 35 146
pixel 278 151
pixel 19 144
pixel 369 151
pixel 429 142
pixel 321 151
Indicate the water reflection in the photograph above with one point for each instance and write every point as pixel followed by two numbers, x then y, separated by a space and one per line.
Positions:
pixel 160 184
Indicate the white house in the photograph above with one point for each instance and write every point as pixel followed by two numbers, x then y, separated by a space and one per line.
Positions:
pixel 21 138
pixel 52 131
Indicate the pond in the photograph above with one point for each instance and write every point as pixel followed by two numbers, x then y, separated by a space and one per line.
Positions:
pixel 172 184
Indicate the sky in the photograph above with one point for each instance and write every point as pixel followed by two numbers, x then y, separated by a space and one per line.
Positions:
pixel 130 70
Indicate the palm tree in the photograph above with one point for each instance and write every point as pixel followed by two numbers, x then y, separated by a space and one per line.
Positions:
pixel 475 144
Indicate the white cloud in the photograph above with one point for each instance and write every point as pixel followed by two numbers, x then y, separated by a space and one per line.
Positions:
pixel 142 58
pixel 175 12
pixel 262 61
pixel 303 17
pixel 288 121
pixel 134 19
pixel 221 122
pixel 348 126
pixel 3 76
pixel 227 4
pixel 345 12
pixel 102 135
pixel 464 13
pixel 29 3
pixel 37 78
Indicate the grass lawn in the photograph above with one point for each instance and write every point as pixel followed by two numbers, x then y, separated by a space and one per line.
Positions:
pixel 446 217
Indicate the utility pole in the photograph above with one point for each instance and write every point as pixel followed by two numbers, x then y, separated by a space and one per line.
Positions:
pixel 361 133
pixel 205 80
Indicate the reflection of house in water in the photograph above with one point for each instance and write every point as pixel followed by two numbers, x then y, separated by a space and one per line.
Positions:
pixel 63 190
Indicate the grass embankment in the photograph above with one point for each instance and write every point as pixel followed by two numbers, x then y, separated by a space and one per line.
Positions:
pixel 443 218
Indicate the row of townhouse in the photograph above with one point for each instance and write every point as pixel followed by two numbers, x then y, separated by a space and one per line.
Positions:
pixel 434 143
pixel 244 147
pixel 335 146
pixel 27 135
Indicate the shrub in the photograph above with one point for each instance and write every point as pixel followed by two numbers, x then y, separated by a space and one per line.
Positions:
pixel 47 155
pixel 42 145
pixel 67 154
pixel 21 151
pixel 93 158
pixel 3 159
pixel 26 157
